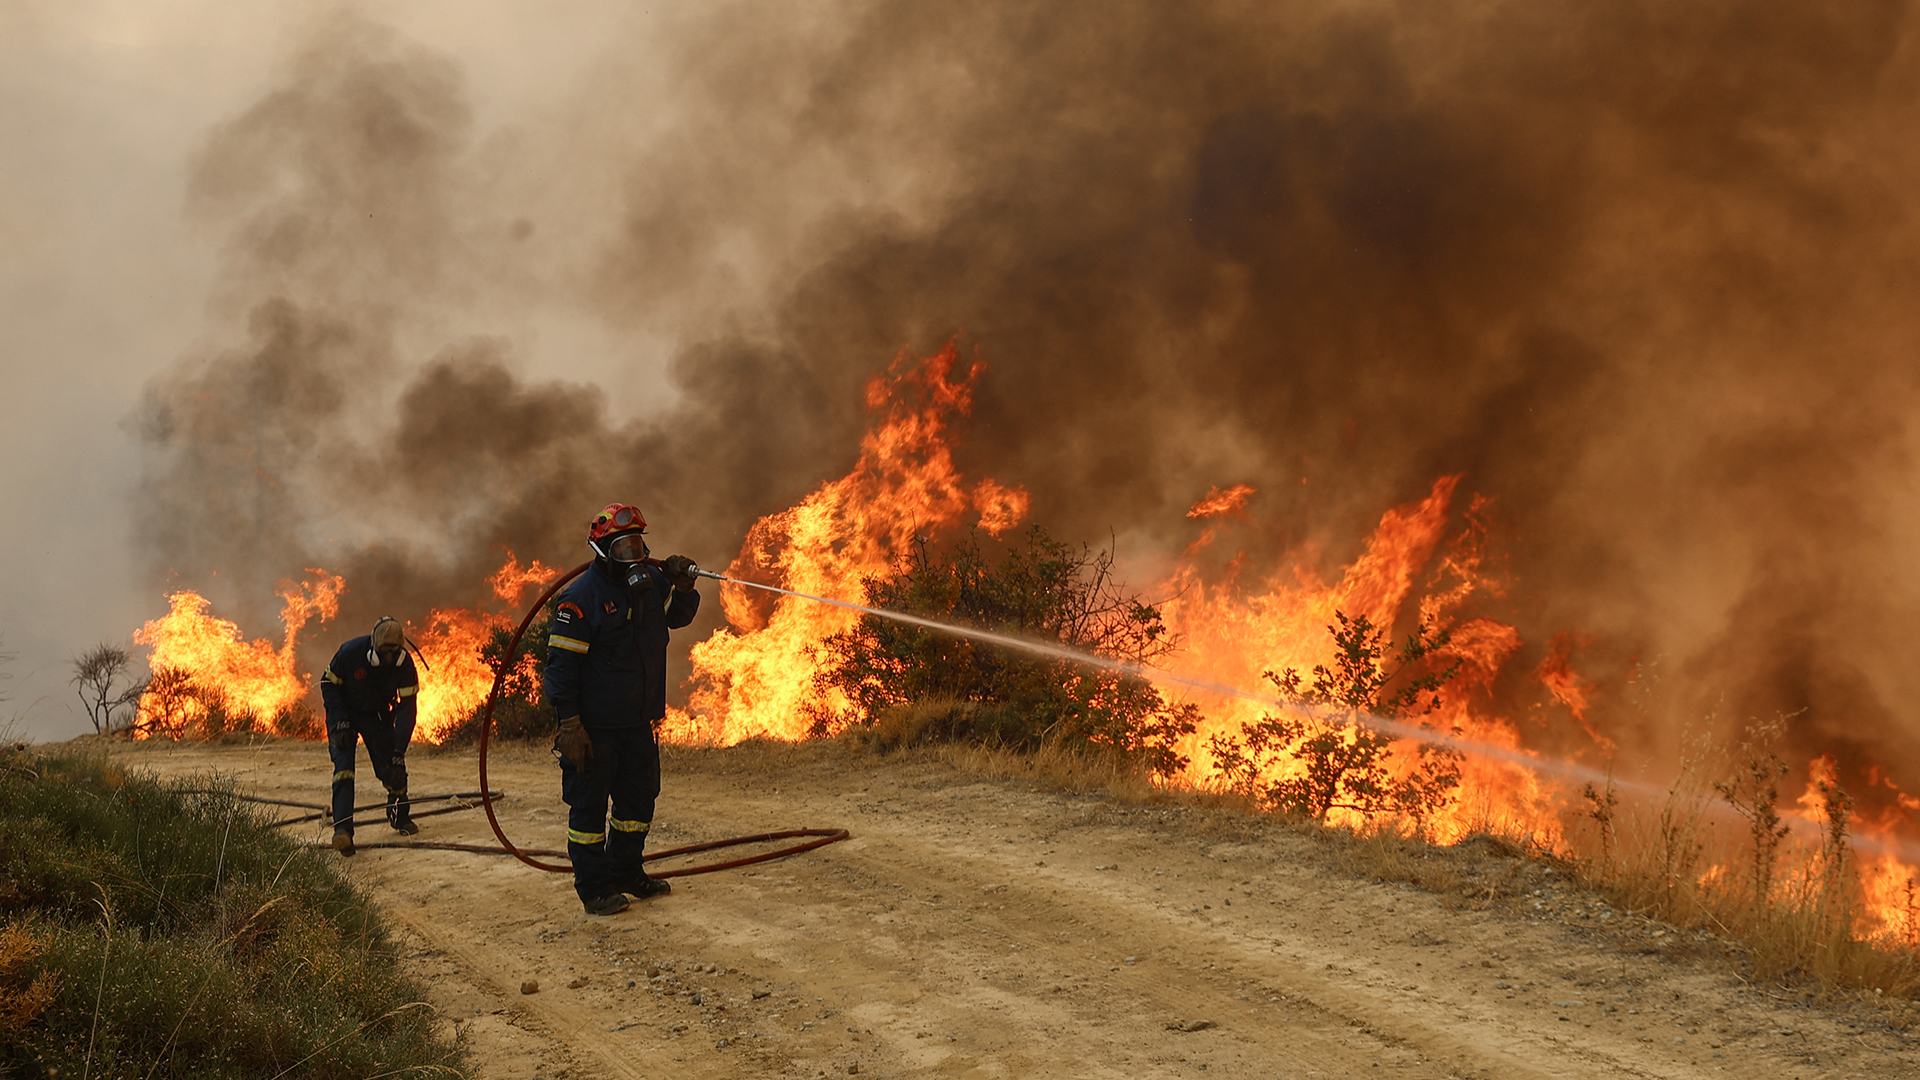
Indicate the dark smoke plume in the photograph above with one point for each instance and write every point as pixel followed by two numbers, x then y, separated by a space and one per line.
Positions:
pixel 1641 271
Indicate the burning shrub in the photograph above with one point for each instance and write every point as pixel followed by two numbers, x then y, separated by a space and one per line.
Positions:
pixel 175 704
pixel 1311 764
pixel 302 721
pixel 1042 590
pixel 168 703
pixel 1803 908
pixel 522 711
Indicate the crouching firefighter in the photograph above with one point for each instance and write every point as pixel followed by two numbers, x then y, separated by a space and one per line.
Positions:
pixel 606 676
pixel 370 690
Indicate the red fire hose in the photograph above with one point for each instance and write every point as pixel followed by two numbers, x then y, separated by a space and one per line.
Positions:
pixel 823 836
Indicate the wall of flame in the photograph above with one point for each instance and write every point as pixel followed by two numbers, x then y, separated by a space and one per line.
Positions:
pixel 757 676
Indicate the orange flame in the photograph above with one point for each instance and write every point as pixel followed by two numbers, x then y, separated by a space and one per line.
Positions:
pixel 457 680
pixel 1220 501
pixel 246 679
pixel 758 677
pixel 1889 885
pixel 1556 673
pixel 1232 631
pixel 260 682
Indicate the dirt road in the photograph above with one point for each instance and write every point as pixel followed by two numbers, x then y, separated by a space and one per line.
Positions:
pixel 976 927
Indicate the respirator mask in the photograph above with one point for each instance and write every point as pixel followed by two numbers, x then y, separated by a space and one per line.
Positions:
pixel 626 552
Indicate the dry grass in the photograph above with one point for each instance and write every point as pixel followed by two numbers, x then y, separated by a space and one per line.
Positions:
pixel 25 989
pixel 757 756
pixel 1790 913
pixel 1479 872
pixel 1794 906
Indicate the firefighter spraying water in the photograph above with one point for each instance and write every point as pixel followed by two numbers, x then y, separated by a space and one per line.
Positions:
pixel 607 679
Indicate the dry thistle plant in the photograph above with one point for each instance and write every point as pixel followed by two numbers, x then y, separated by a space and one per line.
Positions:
pixel 1754 793
pixel 1603 806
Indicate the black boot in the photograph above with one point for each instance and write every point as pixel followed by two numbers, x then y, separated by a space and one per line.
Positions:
pixel 400 812
pixel 611 904
pixel 641 887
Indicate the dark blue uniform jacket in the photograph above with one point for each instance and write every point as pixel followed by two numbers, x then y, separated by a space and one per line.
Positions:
pixel 353 686
pixel 607 658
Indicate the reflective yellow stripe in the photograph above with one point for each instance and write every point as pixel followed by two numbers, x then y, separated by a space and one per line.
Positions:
pixel 409 691
pixel 628 826
pixel 343 774
pixel 577 837
pixel 567 643
pixel 329 676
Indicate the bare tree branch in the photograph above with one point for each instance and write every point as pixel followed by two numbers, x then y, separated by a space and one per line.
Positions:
pixel 95 673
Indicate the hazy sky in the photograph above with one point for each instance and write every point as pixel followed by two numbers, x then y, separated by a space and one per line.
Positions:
pixel 391 287
pixel 106 283
pixel 101 286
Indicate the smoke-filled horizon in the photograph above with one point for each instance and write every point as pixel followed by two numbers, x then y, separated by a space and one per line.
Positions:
pixel 1641 274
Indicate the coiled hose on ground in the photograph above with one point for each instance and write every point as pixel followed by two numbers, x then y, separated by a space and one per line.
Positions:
pixel 486 795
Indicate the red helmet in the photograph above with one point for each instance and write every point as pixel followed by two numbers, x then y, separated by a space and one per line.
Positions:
pixel 616 518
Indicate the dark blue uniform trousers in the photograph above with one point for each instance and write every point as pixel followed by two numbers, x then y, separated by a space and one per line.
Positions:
pixel 343 737
pixel 606 848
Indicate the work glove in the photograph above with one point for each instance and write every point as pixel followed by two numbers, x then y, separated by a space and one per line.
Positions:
pixel 573 743
pixel 679 570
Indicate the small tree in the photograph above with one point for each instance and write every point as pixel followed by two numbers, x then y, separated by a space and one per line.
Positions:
pixel 1339 760
pixel 96 675
pixel 169 705
pixel 1042 590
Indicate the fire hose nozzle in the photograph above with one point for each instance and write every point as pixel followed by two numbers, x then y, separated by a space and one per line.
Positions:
pixel 697 572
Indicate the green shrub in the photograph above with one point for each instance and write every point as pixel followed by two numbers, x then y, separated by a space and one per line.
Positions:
pixel 1042 590
pixel 175 934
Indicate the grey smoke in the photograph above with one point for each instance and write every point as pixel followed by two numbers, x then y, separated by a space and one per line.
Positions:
pixel 1642 273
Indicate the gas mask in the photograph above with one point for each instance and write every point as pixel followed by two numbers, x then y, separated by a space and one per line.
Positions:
pixel 627 553
pixel 387 643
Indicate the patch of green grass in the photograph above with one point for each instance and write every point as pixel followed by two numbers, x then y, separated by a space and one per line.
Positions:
pixel 156 931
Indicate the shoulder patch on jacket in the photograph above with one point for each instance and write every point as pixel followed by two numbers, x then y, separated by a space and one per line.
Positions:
pixel 569 607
